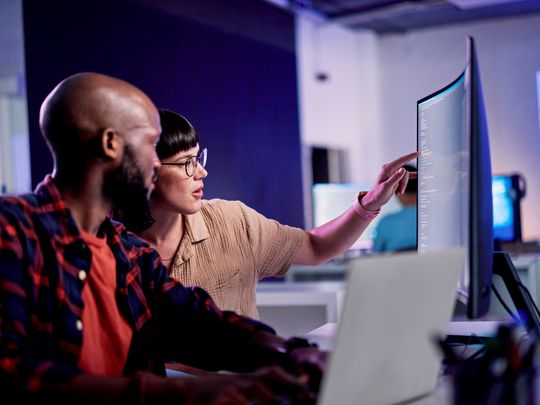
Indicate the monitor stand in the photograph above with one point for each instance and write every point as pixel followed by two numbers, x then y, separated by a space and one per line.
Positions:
pixel 466 331
pixel 527 311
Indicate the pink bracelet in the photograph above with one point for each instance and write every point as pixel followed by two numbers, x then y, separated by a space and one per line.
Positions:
pixel 360 210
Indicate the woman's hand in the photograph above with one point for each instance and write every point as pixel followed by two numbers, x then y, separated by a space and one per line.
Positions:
pixel 392 180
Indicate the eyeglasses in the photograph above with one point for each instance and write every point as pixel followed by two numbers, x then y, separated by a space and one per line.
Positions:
pixel 191 164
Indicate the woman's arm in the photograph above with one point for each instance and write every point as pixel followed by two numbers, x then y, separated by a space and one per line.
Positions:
pixel 335 237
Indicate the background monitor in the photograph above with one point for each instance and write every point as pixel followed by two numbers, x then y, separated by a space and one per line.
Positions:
pixel 454 181
pixel 332 199
pixel 508 190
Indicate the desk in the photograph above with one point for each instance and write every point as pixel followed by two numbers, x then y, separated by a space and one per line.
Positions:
pixel 294 309
pixel 331 271
pixel 324 336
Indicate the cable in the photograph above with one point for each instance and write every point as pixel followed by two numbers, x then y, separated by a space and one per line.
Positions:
pixel 477 353
pixel 514 318
pixel 520 284
pixel 473 338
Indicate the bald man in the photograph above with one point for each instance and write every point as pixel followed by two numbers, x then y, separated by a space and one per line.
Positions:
pixel 87 310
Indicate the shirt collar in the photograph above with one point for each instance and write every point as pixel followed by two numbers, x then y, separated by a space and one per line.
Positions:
pixel 195 231
pixel 196 227
pixel 56 215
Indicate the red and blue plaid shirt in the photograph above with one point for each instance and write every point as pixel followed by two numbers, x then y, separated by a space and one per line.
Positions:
pixel 42 255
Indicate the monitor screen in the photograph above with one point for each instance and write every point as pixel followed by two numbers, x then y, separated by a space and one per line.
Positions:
pixel 330 200
pixel 454 181
pixel 507 192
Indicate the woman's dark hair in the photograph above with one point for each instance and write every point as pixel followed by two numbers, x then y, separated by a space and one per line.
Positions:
pixel 412 185
pixel 177 135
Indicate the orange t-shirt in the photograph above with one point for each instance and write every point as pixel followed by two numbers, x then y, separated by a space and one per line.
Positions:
pixel 106 334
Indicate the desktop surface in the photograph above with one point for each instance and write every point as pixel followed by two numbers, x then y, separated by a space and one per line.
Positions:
pixel 325 334
pixel 443 393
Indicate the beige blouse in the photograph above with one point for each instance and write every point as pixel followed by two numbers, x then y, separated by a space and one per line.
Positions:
pixel 228 247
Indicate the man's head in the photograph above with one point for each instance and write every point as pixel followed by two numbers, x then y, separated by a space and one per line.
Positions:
pixel 97 125
pixel 408 198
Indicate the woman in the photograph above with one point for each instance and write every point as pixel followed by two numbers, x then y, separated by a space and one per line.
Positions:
pixel 225 246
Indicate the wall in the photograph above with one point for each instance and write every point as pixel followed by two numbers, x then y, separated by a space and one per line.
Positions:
pixel 14 147
pixel 374 114
pixel 416 64
pixel 342 111
pixel 238 90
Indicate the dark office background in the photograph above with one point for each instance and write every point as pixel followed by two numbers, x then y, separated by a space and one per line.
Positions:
pixel 233 76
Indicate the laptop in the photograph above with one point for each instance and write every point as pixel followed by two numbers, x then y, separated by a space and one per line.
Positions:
pixel 383 349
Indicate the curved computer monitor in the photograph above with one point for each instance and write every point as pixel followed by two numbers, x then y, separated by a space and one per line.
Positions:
pixel 454 181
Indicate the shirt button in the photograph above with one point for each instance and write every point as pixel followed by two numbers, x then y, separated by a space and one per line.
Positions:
pixel 78 325
pixel 82 275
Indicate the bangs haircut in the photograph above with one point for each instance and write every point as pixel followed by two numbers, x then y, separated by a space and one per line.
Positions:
pixel 177 134
pixel 412 184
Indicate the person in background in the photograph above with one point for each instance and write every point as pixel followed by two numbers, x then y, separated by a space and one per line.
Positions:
pixel 88 313
pixel 226 247
pixel 397 231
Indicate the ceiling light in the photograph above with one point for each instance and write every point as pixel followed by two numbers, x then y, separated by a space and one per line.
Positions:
pixel 471 4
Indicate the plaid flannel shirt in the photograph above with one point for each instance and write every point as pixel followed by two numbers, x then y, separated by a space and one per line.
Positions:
pixel 42 255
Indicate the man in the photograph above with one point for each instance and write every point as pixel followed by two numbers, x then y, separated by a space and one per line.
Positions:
pixel 87 310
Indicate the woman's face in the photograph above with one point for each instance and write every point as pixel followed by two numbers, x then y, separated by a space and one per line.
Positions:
pixel 175 191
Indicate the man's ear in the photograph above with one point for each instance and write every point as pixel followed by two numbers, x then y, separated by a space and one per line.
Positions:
pixel 111 143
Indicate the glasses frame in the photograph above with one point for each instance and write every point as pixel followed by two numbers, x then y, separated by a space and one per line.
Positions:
pixel 192 161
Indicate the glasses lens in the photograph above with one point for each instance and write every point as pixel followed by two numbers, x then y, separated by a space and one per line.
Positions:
pixel 192 163
pixel 202 157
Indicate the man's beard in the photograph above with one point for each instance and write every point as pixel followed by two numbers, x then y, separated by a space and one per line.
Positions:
pixel 126 187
